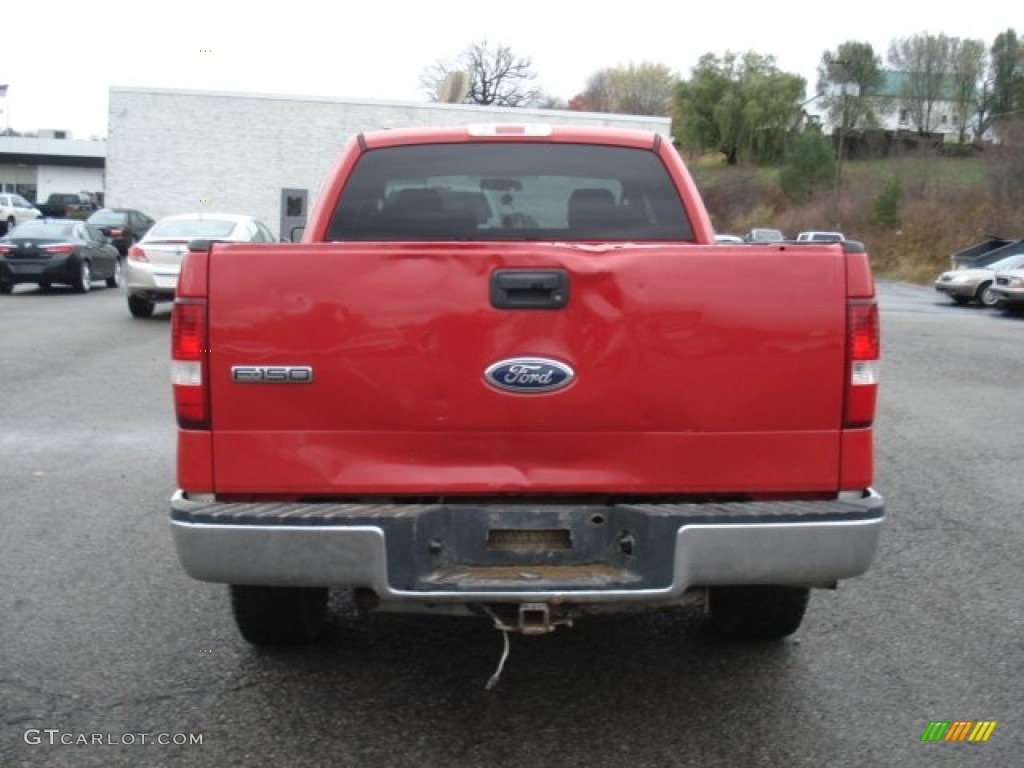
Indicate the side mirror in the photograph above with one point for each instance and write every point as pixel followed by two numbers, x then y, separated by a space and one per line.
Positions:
pixel 296 234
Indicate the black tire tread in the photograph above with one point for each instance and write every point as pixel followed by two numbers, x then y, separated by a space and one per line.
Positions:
pixel 140 307
pixel 114 280
pixel 757 612
pixel 279 615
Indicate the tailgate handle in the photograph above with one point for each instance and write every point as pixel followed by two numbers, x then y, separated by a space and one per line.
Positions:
pixel 529 288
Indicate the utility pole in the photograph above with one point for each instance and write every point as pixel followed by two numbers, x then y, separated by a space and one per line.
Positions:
pixel 6 109
pixel 837 192
pixel 846 88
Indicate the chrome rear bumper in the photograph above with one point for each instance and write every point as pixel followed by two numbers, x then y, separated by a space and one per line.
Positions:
pixel 449 553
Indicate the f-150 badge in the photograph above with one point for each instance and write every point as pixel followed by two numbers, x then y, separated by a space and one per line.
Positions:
pixel 272 374
pixel 529 375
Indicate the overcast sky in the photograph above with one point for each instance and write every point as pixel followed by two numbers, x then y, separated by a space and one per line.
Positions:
pixel 59 60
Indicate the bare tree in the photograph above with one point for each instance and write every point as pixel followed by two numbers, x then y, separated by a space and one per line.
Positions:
pixel 635 89
pixel 926 61
pixel 597 96
pixel 1005 162
pixel 643 89
pixel 548 101
pixel 496 76
pixel 967 66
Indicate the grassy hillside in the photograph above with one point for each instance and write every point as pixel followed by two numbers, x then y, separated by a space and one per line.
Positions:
pixel 946 204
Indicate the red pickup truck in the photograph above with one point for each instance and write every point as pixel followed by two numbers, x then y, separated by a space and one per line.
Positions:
pixel 508 373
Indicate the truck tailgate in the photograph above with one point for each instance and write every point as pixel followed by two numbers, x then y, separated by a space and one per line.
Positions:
pixel 698 369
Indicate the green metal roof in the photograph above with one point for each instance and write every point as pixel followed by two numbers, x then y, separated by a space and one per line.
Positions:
pixel 896 85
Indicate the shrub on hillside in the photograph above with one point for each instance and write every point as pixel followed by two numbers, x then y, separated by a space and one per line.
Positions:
pixel 809 166
pixel 885 213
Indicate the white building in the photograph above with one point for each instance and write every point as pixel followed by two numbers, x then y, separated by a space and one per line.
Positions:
pixel 37 167
pixel 899 114
pixel 176 151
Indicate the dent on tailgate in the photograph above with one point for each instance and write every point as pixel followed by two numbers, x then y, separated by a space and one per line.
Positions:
pixel 698 369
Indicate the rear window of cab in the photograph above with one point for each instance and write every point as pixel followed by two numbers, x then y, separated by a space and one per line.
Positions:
pixel 509 191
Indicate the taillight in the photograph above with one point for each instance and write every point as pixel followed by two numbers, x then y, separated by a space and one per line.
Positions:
pixel 116 232
pixel 6 248
pixel 62 248
pixel 863 354
pixel 136 254
pixel 189 369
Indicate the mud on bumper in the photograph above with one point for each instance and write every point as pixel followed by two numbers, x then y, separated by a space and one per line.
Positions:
pixel 515 552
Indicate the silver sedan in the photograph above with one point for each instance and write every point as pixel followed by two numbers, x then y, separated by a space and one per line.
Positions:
pixel 151 269
pixel 966 285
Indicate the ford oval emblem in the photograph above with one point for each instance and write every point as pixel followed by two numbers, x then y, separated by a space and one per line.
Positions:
pixel 529 375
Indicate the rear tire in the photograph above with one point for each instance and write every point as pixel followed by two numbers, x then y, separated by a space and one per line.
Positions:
pixel 279 615
pixel 11 224
pixel 139 307
pixel 757 612
pixel 83 280
pixel 6 288
pixel 115 279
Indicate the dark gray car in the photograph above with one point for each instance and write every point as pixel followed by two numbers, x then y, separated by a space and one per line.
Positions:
pixel 124 226
pixel 48 251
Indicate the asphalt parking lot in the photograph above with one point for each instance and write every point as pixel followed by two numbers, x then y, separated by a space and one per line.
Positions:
pixel 104 637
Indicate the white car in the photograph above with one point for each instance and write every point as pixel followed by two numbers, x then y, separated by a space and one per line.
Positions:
pixel 152 266
pixel 1008 289
pixel 14 210
pixel 763 235
pixel 820 237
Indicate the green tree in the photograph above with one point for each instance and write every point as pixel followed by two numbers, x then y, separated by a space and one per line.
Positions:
pixel 1003 95
pixel 740 105
pixel 810 164
pixel 701 107
pixel 851 64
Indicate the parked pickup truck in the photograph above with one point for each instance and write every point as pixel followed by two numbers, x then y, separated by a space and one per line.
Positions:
pixel 62 205
pixel 580 404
